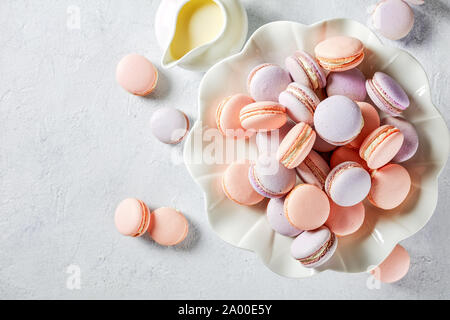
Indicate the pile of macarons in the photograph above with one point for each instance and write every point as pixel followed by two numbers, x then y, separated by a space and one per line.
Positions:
pixel 328 139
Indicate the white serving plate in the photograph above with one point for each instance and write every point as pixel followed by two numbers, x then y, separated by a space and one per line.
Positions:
pixel 247 227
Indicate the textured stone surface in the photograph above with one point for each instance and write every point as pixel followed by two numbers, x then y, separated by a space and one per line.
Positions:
pixel 73 144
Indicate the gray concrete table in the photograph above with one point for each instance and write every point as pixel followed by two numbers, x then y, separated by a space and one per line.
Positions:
pixel 72 145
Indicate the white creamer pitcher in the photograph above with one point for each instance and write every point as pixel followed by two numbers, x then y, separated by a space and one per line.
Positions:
pixel 196 34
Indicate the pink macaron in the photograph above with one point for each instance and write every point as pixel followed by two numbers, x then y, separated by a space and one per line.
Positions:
pixel 394 267
pixel 313 248
pixel 296 145
pixel 137 75
pixel 270 178
pixel 237 187
pixel 169 226
pixel 300 102
pixel 227 116
pixel 268 142
pixel 381 146
pixel 132 217
pixel 344 221
pixel 266 82
pixel 305 70
pixel 313 170
pixel 340 53
pixel 387 94
pixel 350 83
pixel 371 122
pixel 263 116
pixel 278 221
pixel 306 207
pixel 390 186
pixel 411 138
pixel 348 184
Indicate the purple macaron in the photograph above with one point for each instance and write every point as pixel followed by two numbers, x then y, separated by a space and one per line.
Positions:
pixel 387 94
pixel 348 184
pixel 305 70
pixel 266 82
pixel 277 219
pixel 270 178
pixel 300 102
pixel 268 142
pixel 338 120
pixel 313 248
pixel 411 138
pixel 350 83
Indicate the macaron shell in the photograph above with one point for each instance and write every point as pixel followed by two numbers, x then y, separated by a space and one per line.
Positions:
pixel 263 116
pixel 313 170
pixel 385 151
pixel 343 154
pixel 394 267
pixel 228 121
pixel 129 215
pixel 350 83
pixel 136 74
pixel 344 221
pixel 236 185
pixel 339 48
pixel 394 19
pixel 300 102
pixel 296 145
pixel 169 125
pixel 169 227
pixel 348 184
pixel 371 122
pixel 267 81
pixel 390 186
pixel 298 65
pixel 277 220
pixel 411 138
pixel 307 207
pixel 269 141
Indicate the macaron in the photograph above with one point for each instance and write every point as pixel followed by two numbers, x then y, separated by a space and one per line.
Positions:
pixel 263 116
pixel 381 146
pixel 344 221
pixel 371 122
pixel 169 125
pixel 306 207
pixel 321 145
pixel 277 220
pixel 340 53
pixel 296 145
pixel 266 82
pixel 394 19
pixel 394 267
pixel 387 94
pixel 410 141
pixel 343 154
pixel 132 217
pixel 350 83
pixel 338 120
pixel 300 102
pixel 268 141
pixel 313 248
pixel 236 185
pixel 305 70
pixel 227 116
pixel 137 75
pixel 390 186
pixel 270 178
pixel 169 226
pixel 348 184
pixel 313 170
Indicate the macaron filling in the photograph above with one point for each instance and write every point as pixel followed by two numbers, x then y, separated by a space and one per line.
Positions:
pixel 145 220
pixel 341 63
pixel 383 135
pixel 303 97
pixel 266 110
pixel 292 153
pixel 219 113
pixel 319 174
pixel 310 70
pixel 316 256
pixel 383 96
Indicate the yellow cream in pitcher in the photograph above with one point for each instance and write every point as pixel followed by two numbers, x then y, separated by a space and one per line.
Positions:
pixel 199 22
